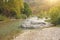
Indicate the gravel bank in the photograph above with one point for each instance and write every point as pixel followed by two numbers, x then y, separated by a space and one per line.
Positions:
pixel 44 34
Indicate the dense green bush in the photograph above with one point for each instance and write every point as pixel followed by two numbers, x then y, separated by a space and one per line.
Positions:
pixel 7 12
pixel 12 6
pixel 55 15
pixel 22 16
pixel 12 13
pixel 2 18
pixel 27 10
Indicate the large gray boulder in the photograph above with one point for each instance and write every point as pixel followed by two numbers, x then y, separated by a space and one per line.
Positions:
pixel 35 22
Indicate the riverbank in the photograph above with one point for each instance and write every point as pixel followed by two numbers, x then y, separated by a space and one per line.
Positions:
pixel 52 33
pixel 8 29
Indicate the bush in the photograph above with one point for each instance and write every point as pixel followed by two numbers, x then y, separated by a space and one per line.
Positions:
pixel 55 15
pixel 27 10
pixel 22 16
pixel 12 13
pixel 2 18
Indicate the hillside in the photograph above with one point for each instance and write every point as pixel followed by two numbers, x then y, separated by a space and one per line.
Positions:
pixel 36 6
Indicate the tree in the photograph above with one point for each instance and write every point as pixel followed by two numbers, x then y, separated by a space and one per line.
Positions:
pixel 16 5
pixel 11 5
pixel 27 11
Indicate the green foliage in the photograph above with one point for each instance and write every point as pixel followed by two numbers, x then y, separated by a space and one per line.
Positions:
pixel 2 18
pixel 22 16
pixel 27 11
pixel 55 15
pixel 11 5
pixel 43 14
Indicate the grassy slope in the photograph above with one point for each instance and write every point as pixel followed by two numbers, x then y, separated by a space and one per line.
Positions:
pixel 9 29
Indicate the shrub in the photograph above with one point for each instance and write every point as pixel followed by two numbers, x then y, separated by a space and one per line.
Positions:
pixel 22 16
pixel 27 10
pixel 2 18
pixel 55 15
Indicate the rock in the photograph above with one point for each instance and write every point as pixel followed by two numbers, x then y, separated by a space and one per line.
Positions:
pixel 35 22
